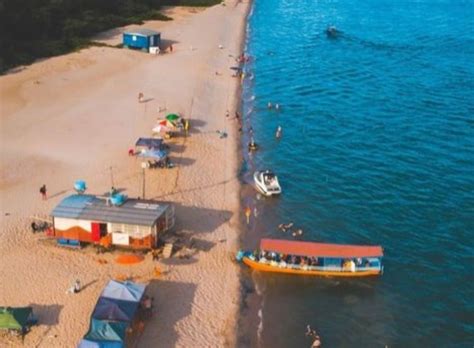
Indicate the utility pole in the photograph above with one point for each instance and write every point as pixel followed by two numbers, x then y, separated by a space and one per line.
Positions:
pixel 111 176
pixel 143 183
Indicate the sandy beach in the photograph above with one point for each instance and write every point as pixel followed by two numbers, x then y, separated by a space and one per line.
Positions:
pixel 74 117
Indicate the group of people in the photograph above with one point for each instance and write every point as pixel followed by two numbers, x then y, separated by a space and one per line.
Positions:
pixel 270 256
pixel 288 227
pixel 284 260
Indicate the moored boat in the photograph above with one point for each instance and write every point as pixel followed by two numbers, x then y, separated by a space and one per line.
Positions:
pixel 267 183
pixel 317 259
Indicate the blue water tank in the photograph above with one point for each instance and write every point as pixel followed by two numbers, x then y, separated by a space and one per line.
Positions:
pixel 80 186
pixel 118 199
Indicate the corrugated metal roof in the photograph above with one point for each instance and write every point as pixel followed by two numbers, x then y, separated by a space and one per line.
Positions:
pixel 142 31
pixel 92 208
pixel 319 249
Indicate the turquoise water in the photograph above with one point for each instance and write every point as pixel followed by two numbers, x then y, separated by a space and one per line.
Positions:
pixel 377 148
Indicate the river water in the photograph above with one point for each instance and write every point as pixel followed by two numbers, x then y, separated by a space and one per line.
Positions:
pixel 377 148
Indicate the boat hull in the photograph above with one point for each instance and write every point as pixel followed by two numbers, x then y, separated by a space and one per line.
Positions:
pixel 269 268
pixel 261 188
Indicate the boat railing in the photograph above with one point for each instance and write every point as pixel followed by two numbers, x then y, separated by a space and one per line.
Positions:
pixel 283 264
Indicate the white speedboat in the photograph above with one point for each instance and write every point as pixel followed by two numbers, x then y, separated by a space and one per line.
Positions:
pixel 267 182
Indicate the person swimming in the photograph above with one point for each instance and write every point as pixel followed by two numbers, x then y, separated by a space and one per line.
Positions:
pixel 285 227
pixel 332 32
pixel 252 145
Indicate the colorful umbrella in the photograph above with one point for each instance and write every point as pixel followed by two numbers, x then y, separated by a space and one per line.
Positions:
pixel 172 117
pixel 160 128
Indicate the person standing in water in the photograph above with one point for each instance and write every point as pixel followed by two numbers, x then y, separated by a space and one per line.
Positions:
pixel 278 132
pixel 248 212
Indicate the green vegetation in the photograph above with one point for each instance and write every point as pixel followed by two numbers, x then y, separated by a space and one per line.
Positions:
pixel 30 29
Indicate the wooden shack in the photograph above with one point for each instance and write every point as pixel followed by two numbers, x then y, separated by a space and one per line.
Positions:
pixel 135 224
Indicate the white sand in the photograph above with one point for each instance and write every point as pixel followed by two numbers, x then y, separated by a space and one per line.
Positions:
pixel 75 116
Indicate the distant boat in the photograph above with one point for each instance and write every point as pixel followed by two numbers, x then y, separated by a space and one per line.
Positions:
pixel 315 259
pixel 267 183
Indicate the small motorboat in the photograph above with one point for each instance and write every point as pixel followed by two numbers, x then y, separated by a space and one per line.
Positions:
pixel 267 183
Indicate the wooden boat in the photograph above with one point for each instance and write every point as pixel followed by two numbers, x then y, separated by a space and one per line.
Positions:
pixel 316 259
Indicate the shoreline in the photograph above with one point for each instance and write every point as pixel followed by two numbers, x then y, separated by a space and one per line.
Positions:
pixel 60 111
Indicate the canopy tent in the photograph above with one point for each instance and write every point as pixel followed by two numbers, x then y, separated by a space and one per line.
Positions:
pixel 126 291
pixel 103 344
pixel 116 310
pixel 319 249
pixel 104 330
pixel 18 318
pixel 154 154
pixel 150 142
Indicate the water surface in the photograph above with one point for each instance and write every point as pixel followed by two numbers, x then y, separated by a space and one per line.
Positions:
pixel 377 148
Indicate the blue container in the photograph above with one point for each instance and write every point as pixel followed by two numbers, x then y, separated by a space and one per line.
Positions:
pixel 80 186
pixel 118 199
pixel 141 39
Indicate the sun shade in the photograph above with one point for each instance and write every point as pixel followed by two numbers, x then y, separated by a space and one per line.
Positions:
pixel 126 291
pixel 319 249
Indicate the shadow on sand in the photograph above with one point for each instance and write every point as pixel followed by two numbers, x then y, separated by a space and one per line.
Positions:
pixel 198 188
pixel 195 125
pixel 47 314
pixel 198 219
pixel 174 300
pixel 165 44
pixel 182 161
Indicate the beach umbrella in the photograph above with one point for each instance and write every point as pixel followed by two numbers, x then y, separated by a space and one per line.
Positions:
pixel 160 129
pixel 172 117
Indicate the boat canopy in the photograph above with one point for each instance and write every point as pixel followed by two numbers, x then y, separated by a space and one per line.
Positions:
pixel 299 248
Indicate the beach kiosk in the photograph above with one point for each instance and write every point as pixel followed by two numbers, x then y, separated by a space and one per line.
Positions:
pixel 141 38
pixel 111 220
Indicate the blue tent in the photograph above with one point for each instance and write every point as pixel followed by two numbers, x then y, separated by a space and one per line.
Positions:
pixel 92 344
pixel 106 331
pixel 126 291
pixel 116 310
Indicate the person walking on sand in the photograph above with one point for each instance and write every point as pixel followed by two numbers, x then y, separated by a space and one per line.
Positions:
pixel 140 97
pixel 171 48
pixel 75 288
pixel 43 192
